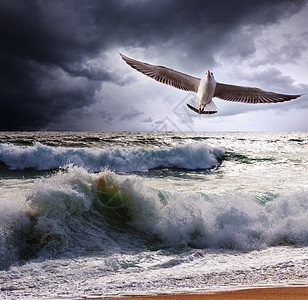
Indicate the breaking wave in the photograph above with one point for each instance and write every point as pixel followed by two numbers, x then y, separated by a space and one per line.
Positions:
pixel 74 211
pixel 42 157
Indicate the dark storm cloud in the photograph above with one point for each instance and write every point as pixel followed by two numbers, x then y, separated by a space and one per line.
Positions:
pixel 37 42
pixel 46 46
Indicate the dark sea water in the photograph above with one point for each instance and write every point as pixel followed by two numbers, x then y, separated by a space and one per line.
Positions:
pixel 85 214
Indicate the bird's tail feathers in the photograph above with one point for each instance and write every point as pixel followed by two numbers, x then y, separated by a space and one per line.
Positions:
pixel 209 109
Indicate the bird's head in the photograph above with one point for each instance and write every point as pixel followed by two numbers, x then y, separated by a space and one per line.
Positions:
pixel 209 75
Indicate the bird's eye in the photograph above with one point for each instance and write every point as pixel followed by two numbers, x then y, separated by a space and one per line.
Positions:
pixel 211 73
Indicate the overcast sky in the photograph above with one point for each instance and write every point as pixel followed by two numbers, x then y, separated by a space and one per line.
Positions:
pixel 60 69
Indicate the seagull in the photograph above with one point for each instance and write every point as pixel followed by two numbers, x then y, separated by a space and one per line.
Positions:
pixel 207 87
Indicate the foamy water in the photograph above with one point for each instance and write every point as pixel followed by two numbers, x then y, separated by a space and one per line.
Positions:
pixel 41 157
pixel 135 214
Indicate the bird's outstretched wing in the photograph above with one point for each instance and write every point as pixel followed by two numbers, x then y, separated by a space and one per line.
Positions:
pixel 165 75
pixel 249 95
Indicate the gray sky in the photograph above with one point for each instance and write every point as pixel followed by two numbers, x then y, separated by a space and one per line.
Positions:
pixel 60 69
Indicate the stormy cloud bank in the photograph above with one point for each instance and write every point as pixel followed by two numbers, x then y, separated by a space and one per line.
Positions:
pixel 54 54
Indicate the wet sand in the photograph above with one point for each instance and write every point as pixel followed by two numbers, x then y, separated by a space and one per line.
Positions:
pixel 294 293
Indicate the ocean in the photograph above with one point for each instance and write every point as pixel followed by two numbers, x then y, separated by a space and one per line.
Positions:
pixel 107 214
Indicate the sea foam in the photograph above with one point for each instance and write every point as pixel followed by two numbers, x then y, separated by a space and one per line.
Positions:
pixel 42 157
pixel 74 211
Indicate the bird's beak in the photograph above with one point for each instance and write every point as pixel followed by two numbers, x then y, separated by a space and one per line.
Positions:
pixel 208 73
